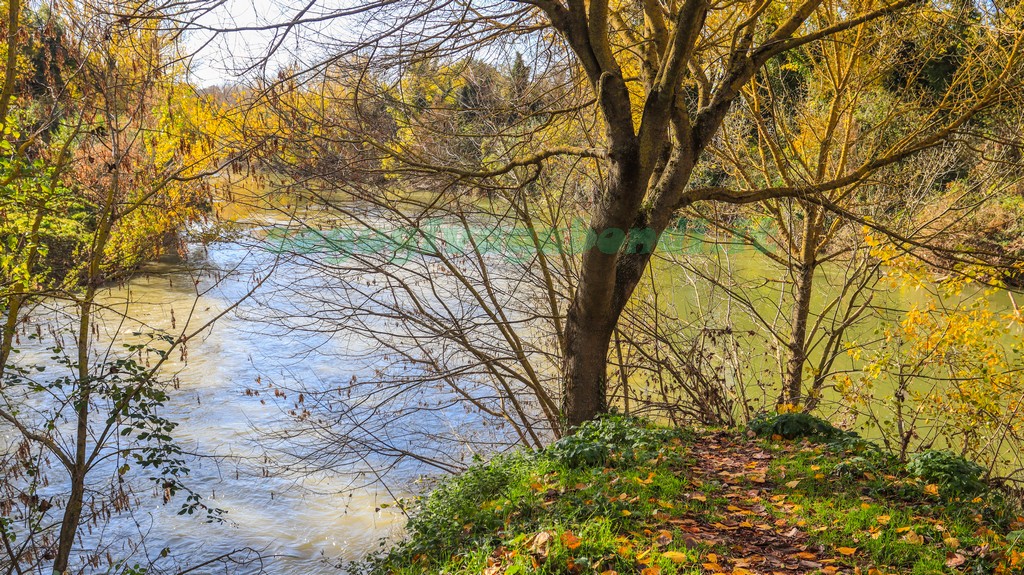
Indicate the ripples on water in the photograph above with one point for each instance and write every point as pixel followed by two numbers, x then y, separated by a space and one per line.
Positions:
pixel 302 525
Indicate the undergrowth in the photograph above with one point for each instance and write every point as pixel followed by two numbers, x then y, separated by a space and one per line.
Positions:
pixel 622 496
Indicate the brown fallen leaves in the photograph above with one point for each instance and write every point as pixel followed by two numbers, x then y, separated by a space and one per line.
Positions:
pixel 757 542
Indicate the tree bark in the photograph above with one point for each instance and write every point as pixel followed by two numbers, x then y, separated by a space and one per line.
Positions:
pixel 803 285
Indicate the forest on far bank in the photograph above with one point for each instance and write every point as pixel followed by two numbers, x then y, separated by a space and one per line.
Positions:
pixel 515 217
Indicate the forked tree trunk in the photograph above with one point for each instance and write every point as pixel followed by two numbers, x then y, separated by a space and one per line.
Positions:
pixel 602 291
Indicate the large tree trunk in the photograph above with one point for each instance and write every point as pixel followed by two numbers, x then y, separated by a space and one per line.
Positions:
pixel 586 365
pixel 607 278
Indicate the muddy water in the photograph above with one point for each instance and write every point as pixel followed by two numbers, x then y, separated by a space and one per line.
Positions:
pixel 299 523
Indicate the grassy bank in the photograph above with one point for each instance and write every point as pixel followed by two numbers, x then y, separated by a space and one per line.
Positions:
pixel 621 496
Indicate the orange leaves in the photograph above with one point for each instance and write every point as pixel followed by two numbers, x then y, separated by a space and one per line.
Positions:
pixel 648 481
pixel 847 550
pixel 711 564
pixel 570 541
pixel 664 538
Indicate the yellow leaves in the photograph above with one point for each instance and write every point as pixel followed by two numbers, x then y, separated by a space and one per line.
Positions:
pixel 674 556
pixel 847 550
pixel 931 489
pixel 625 547
pixel 913 538
pixel 952 542
pixel 654 570
pixel 792 484
pixel 882 519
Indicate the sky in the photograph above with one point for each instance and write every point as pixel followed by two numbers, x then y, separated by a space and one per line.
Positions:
pixel 219 56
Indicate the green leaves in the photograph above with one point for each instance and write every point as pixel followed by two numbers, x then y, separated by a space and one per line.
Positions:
pixel 954 475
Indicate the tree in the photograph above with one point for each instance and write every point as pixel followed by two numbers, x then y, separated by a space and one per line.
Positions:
pixel 89 188
pixel 662 80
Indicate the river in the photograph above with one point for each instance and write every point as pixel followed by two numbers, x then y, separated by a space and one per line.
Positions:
pixel 300 523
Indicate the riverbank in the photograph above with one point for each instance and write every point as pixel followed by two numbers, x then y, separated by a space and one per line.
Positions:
pixel 621 496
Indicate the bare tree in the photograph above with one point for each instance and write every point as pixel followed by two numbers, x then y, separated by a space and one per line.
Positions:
pixel 659 82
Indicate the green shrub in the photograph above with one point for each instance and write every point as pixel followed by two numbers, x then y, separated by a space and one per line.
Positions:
pixel 793 425
pixel 955 476
pixel 594 442
pixel 459 501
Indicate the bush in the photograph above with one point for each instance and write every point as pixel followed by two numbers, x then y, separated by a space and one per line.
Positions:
pixel 793 425
pixel 955 476
pixel 594 443
pixel 439 522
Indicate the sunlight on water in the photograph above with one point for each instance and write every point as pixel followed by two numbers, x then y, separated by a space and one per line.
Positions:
pixel 300 524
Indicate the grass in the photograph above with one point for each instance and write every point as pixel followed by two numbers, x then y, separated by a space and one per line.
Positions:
pixel 622 496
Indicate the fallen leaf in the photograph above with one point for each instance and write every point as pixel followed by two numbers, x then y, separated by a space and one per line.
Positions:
pixel 793 483
pixel 913 538
pixel 675 556
pixel 883 519
pixel 570 541
pixel 931 489
pixel 847 550
pixel 954 559
pixel 952 542
pixel 651 571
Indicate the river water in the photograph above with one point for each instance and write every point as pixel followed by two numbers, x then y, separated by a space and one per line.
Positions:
pixel 224 401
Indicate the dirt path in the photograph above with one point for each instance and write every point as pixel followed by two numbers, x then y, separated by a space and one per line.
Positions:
pixel 760 539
